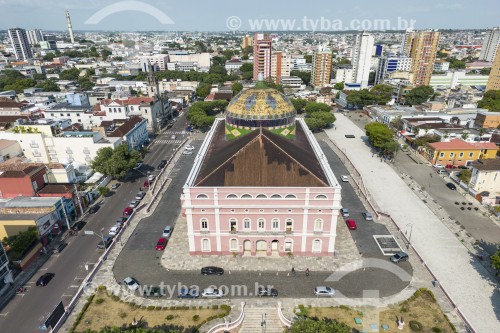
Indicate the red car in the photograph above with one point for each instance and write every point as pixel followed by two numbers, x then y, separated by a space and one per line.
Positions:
pixel 128 211
pixel 351 224
pixel 146 184
pixel 450 166
pixel 162 243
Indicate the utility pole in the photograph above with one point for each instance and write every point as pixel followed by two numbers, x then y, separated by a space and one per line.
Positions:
pixel 65 215
pixel 78 199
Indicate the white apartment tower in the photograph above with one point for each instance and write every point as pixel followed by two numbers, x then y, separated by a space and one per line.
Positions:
pixel 362 59
pixel 19 41
pixel 490 45
pixel 35 36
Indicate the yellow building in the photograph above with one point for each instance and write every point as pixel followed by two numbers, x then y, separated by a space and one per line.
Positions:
pixel 422 46
pixel 246 41
pixel 459 152
pixel 494 79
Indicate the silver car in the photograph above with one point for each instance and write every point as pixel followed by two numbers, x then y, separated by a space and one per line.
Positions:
pixel 212 293
pixel 367 216
pixel 324 291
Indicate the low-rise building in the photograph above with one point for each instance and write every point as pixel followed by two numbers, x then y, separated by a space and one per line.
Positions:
pixel 485 175
pixel 233 65
pixel 8 149
pixel 133 132
pixel 453 79
pixel 487 119
pixel 293 82
pixel 458 152
pixel 21 179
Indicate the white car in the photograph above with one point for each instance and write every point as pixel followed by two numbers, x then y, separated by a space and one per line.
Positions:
pixel 131 283
pixel 167 232
pixel 437 165
pixel 212 293
pixel 151 177
pixel 188 147
pixel 133 204
pixel 187 152
pixel 114 230
pixel 140 195
pixel 344 178
pixel 324 291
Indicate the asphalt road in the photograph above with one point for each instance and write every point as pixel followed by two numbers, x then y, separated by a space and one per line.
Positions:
pixel 25 313
pixel 140 259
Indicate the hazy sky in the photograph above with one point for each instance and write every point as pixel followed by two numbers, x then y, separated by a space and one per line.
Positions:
pixel 203 15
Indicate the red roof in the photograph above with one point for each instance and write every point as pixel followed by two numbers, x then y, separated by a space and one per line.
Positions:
pixel 140 100
pixel 107 101
pixel 456 144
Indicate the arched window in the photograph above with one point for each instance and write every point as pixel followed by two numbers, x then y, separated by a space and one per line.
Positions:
pixel 202 196
pixel 246 196
pixel 321 196
pixel 231 196
pixel 204 224
pixel 290 196
pixel 316 245
pixel 261 224
pixel 276 196
pixel 289 225
pixel 246 223
pixel 276 224
pixel 205 245
pixel 318 225
pixel 233 244
pixel 261 196
pixel 233 225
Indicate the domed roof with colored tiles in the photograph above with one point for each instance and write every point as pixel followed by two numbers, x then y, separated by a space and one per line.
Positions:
pixel 260 103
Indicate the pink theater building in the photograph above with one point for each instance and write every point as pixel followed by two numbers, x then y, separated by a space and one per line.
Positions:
pixel 261 185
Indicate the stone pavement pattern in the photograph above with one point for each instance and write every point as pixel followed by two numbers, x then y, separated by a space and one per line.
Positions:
pixel 470 286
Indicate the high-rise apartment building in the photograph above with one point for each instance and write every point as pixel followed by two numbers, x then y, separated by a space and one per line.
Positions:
pixel 246 41
pixel 494 79
pixel 19 41
pixel 389 64
pixel 35 36
pixel 421 47
pixel 321 67
pixel 281 64
pixel 362 59
pixel 490 45
pixel 261 55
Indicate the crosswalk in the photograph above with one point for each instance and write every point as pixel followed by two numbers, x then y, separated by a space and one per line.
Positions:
pixel 176 132
pixel 166 142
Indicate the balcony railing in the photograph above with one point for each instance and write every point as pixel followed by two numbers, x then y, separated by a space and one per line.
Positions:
pixel 34 145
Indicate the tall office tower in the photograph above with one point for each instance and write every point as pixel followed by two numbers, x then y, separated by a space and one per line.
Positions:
pixel 321 66
pixel 404 42
pixel 261 56
pixel 362 59
pixel 70 28
pixel 422 47
pixel 490 45
pixel 246 41
pixel 494 79
pixel 389 64
pixel 280 65
pixel 19 41
pixel 35 36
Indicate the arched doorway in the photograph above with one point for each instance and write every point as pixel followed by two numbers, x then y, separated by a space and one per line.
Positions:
pixel 247 247
pixel 261 247
pixel 275 248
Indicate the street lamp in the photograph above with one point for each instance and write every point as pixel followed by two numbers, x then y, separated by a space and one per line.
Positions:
pixel 406 233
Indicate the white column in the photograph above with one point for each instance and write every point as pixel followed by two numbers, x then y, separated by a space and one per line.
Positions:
pixel 189 219
pixel 217 220
pixel 304 221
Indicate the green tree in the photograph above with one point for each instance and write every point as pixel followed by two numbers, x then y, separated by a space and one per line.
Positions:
pixel 237 87
pixel 305 76
pixel 485 71
pixel 23 241
pixel 465 176
pixel 491 101
pixel 246 67
pixel 419 95
pixel 117 162
pixel 49 56
pixel 397 123
pixel 339 86
pixel 299 104
pixel 495 260
pixel 105 54
pixel 71 74
pixel 217 69
pixel 315 107
pixel 326 117
pixel 85 83
pixel 203 90
pixel 309 58
pixel 103 190
pixel 382 93
pixel 49 85
pixel 309 325
pixel 455 63
pixel 314 124
pixel 378 134
pixel 391 148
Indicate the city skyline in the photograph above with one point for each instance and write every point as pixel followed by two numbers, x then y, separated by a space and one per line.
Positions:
pixel 147 15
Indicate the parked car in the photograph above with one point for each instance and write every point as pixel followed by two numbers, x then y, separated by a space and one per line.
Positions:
pixel 94 209
pixel 146 184
pixel 131 283
pixel 167 232
pixel 115 186
pixel 151 177
pixel 133 203
pixel 344 178
pixel 451 186
pixel 121 220
pixel 442 171
pixel 140 195
pixel 138 166
pixel 128 211
pixel 187 152
pixel 60 247
pixel 162 164
pixel 161 244
pixel 401 256
pixel 105 243
pixel 437 165
pixel 351 224
pixel 172 137
pixel 212 293
pixel 188 293
pixel 212 270
pixel 344 212
pixel 44 279
pixel 367 216
pixel 188 147
pixel 271 292
pixel 324 291
pixel 114 230
pixel 450 166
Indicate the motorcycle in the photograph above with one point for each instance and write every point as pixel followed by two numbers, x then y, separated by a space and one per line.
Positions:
pixel 21 290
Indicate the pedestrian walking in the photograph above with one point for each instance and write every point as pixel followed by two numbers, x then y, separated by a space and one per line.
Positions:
pixel 307 272
pixel 293 271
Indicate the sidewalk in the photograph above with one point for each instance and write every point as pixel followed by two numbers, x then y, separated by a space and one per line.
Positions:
pixel 469 285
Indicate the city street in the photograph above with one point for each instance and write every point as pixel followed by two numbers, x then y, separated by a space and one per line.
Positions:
pixel 25 313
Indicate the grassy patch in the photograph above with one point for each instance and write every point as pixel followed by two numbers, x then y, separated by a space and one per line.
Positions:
pixel 105 311
pixel 233 132
pixel 421 310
